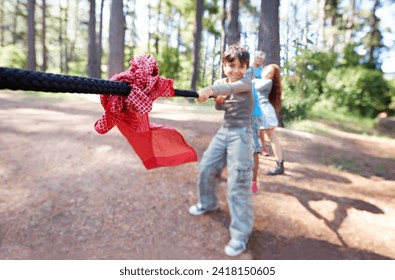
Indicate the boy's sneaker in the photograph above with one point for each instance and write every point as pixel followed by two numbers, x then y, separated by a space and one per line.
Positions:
pixel 235 247
pixel 198 209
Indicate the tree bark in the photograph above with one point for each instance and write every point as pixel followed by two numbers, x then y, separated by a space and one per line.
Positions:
pixel 31 34
pixel 100 39
pixel 196 42
pixel 93 63
pixel 233 35
pixel 2 23
pixel 43 35
pixel 17 13
pixel 223 33
pixel 269 31
pixel 116 56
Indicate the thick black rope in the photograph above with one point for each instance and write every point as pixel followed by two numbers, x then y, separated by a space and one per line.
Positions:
pixel 19 79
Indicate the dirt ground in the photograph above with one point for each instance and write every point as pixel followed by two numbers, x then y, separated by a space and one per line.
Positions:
pixel 67 192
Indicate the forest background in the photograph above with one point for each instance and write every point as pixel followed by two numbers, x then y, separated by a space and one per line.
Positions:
pixel 331 51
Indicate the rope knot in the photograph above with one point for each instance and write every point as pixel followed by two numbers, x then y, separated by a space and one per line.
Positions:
pixel 145 86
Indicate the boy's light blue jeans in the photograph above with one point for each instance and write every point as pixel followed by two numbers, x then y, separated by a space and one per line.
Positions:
pixel 233 146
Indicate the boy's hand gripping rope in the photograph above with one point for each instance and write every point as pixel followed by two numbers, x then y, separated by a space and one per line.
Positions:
pixel 19 79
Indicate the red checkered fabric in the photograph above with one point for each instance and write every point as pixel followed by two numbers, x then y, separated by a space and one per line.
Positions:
pixel 146 86
pixel 156 145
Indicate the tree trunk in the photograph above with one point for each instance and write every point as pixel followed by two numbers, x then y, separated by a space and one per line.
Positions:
pixel 149 27
pixel 213 64
pixel 223 33
pixel 233 35
pixel 116 56
pixel 196 43
pixel 334 4
pixel 100 39
pixel 60 41
pixel 31 34
pixel 269 34
pixel 93 63
pixel 350 24
pixel 179 31
pixel 43 34
pixel 2 23
pixel 15 22
pixel 66 43
pixel 157 32
pixel 205 59
pixel 287 44
pixel 323 16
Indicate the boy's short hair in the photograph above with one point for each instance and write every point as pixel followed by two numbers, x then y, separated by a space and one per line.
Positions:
pixel 236 52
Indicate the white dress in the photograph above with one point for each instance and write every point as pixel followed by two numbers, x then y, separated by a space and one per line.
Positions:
pixel 269 117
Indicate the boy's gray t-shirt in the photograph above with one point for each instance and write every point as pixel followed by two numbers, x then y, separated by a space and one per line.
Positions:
pixel 239 102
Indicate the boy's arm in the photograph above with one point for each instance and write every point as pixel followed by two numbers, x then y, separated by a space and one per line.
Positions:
pixel 240 86
pixel 206 92
pixel 219 100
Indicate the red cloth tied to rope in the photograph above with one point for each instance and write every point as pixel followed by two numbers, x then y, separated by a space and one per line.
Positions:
pixel 156 145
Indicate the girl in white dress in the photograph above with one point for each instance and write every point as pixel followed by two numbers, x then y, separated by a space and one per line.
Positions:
pixel 269 98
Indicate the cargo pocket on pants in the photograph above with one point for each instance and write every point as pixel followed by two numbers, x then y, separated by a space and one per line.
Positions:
pixel 244 173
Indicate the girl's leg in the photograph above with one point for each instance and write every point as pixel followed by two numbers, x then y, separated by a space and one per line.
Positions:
pixel 275 144
pixel 278 154
pixel 262 137
pixel 255 169
pixel 257 149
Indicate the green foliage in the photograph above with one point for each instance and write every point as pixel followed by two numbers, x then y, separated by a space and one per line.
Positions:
pixel 294 106
pixel 361 91
pixel 391 106
pixel 351 57
pixel 169 62
pixel 211 27
pixel 210 21
pixel 345 87
pixel 212 7
pixel 10 56
pixel 302 84
pixel 78 67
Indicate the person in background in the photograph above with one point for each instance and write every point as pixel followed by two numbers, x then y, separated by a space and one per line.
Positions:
pixel 269 97
pixel 254 72
pixel 231 145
